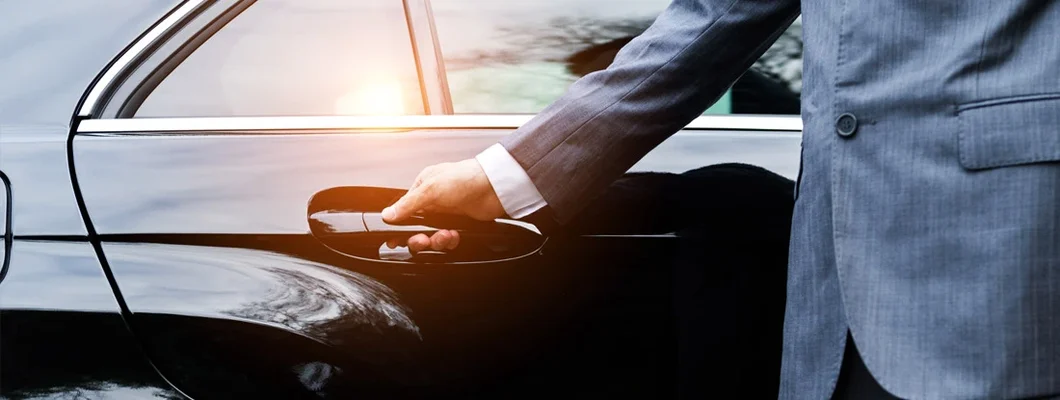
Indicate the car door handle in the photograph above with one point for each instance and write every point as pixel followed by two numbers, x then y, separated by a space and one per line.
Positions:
pixel 348 220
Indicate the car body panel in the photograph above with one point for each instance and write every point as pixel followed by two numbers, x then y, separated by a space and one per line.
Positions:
pixel 41 87
pixel 208 234
pixel 62 332
pixel 74 354
pixel 53 275
pixel 240 322
pixel 43 199
pixel 231 315
pixel 260 183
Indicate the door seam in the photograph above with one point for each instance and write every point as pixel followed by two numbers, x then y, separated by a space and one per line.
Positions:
pixel 97 247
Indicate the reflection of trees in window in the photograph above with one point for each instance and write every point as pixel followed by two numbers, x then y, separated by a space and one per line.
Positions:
pixel 584 45
pixel 554 42
pixel 783 60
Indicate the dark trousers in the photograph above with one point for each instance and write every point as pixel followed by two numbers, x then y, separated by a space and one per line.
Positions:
pixel 855 381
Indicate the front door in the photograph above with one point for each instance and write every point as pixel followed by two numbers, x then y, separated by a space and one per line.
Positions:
pixel 198 169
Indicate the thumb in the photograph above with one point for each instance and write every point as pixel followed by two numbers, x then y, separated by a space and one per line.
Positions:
pixel 414 200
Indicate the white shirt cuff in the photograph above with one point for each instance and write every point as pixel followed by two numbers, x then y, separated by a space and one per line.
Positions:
pixel 513 186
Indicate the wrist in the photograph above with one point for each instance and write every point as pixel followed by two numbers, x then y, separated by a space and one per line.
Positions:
pixel 510 184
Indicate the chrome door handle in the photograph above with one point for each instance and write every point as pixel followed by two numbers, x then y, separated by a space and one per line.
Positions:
pixel 345 226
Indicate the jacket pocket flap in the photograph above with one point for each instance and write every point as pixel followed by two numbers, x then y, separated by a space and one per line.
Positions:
pixel 1006 132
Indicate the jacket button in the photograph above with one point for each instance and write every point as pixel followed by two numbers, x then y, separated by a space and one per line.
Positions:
pixel 846 125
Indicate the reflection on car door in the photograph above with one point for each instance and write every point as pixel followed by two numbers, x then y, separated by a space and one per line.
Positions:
pixel 204 225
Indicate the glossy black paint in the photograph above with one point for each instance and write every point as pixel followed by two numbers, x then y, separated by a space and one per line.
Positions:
pixel 66 354
pixel 61 333
pixel 53 50
pixel 198 227
pixel 238 321
pixel 235 321
pixel 42 197
pixel 261 182
pixel 592 314
pixel 475 325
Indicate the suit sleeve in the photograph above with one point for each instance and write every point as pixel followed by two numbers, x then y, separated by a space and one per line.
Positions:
pixel 657 84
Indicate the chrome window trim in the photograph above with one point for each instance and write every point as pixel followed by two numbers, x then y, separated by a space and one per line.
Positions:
pixel 122 64
pixel 461 121
pixel 142 78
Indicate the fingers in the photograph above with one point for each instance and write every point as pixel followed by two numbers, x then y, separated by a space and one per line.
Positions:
pixel 454 241
pixel 457 188
pixel 418 198
pixel 414 200
pixel 445 240
pixel 419 242
pixel 441 240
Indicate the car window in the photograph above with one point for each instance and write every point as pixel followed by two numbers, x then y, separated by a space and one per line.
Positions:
pixel 298 57
pixel 518 56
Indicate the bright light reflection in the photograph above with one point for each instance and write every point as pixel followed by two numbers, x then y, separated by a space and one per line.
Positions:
pixel 375 98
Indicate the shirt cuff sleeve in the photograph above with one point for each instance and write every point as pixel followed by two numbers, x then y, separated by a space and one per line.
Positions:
pixel 513 186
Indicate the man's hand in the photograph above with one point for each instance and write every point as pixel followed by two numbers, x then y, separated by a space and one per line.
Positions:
pixel 456 188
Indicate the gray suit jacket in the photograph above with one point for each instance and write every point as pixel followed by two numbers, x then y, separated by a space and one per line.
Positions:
pixel 928 217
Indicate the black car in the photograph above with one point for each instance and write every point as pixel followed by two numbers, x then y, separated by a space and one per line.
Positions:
pixel 192 192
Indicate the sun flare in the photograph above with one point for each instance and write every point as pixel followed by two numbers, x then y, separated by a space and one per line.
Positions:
pixel 376 98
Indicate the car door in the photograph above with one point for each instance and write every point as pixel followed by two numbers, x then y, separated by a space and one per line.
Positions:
pixel 231 163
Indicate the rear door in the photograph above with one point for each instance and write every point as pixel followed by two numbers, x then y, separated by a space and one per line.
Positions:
pixel 198 154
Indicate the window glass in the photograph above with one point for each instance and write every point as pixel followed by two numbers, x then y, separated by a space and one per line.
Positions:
pixel 298 57
pixel 519 56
